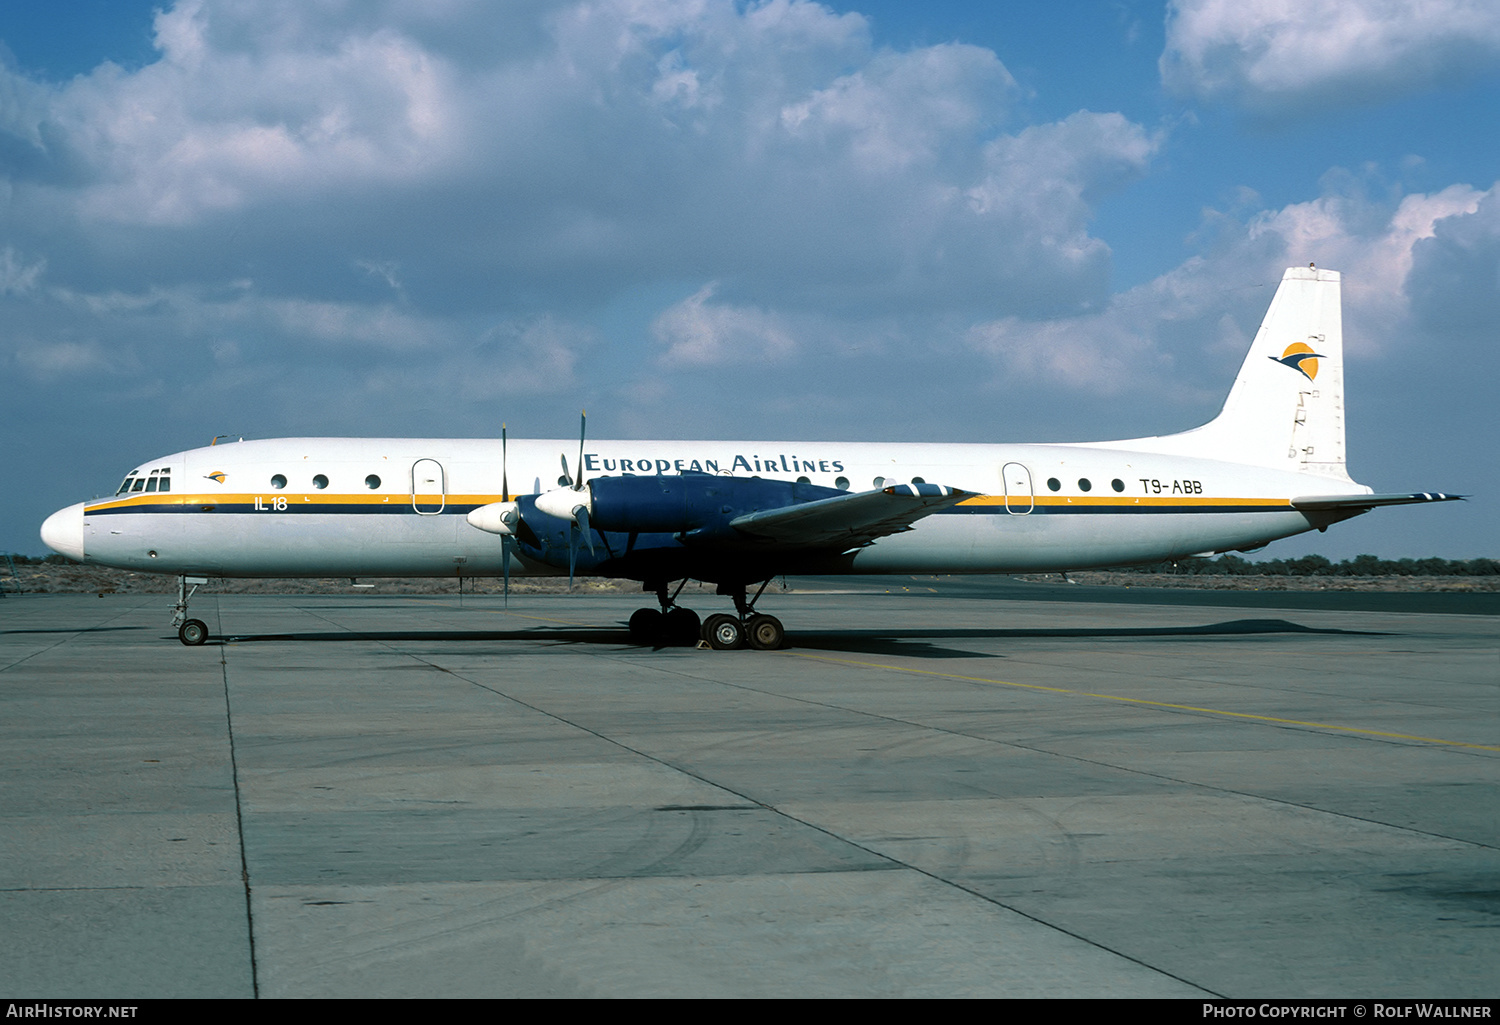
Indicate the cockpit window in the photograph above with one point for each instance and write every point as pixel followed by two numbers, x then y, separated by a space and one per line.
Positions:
pixel 140 481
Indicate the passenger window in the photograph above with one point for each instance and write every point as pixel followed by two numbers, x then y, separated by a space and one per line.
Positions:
pixel 1083 484
pixel 320 482
pixel 278 482
pixel 1117 484
pixel 372 482
pixel 878 482
pixel 842 483
pixel 803 480
pixel 919 480
pixel 1053 484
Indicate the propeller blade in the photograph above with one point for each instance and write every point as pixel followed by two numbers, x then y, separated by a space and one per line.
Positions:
pixel 568 482
pixel 583 421
pixel 505 566
pixel 504 480
pixel 581 517
pixel 572 553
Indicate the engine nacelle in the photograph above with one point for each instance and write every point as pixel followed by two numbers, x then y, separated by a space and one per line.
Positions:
pixel 700 503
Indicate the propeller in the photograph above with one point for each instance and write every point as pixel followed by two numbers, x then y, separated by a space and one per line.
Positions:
pixel 502 517
pixel 505 539
pixel 569 502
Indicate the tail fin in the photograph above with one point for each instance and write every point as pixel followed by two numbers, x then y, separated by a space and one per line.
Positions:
pixel 1286 409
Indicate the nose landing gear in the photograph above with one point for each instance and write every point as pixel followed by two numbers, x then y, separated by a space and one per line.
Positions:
pixel 191 632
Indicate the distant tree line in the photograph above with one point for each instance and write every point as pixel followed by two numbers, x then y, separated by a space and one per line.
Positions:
pixel 1317 566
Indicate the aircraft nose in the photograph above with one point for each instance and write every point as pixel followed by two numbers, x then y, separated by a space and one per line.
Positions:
pixel 63 532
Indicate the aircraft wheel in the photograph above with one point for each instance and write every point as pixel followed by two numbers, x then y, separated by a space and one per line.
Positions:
pixel 723 633
pixel 646 627
pixel 682 627
pixel 193 633
pixel 765 633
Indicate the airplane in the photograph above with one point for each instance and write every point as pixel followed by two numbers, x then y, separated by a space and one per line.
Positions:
pixel 738 514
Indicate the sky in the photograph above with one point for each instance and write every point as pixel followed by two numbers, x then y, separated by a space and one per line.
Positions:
pixel 966 222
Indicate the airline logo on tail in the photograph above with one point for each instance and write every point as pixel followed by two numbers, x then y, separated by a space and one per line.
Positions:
pixel 1300 357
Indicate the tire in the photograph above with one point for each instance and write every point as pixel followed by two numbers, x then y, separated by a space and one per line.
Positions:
pixel 193 633
pixel 647 627
pixel 682 627
pixel 723 633
pixel 765 633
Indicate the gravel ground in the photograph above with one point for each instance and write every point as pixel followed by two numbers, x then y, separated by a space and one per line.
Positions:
pixel 52 578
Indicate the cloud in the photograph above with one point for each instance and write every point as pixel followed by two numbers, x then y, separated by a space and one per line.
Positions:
pixel 1454 283
pixel 568 151
pixel 536 356
pixel 1370 243
pixel 903 110
pixel 1091 354
pixel 58 360
pixel 17 276
pixel 235 113
pixel 1180 337
pixel 698 333
pixel 1274 55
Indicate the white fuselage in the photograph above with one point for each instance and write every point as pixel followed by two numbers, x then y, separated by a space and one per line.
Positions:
pixel 397 506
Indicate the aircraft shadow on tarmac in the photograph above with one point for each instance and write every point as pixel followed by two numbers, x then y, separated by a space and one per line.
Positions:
pixel 910 643
pixel 73 630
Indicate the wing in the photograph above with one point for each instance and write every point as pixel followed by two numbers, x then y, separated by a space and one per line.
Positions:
pixel 1362 503
pixel 847 521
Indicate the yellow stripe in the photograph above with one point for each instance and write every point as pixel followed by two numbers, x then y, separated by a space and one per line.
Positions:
pixel 1152 704
pixel 296 498
pixel 378 498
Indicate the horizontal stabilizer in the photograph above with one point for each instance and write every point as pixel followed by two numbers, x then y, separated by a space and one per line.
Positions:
pixel 848 521
pixel 1362 502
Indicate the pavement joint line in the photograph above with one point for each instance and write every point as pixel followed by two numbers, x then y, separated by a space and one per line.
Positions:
pixel 827 831
pixel 239 810
pixel 1149 703
pixel 71 636
pixel 881 855
pixel 1107 697
pixel 1074 756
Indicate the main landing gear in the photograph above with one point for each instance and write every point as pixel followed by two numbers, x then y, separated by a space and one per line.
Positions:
pixel 191 632
pixel 677 626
